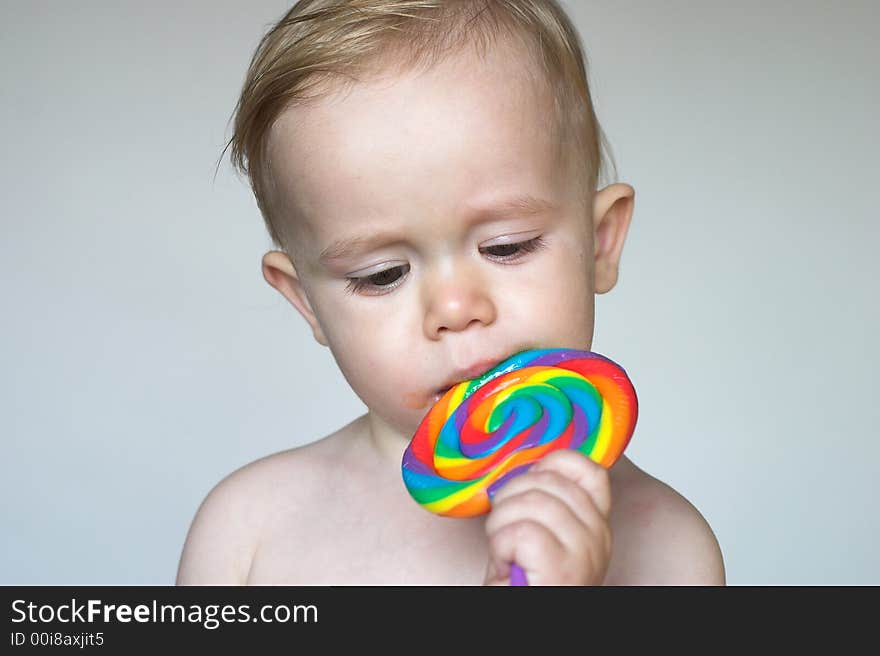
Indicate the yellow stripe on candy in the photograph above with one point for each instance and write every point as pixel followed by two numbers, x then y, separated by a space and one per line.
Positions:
pixel 455 400
pixel 603 438
pixel 546 373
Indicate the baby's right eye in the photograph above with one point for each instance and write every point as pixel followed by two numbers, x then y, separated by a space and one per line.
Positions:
pixel 384 281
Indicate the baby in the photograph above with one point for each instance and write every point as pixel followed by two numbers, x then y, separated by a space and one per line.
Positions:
pixel 428 171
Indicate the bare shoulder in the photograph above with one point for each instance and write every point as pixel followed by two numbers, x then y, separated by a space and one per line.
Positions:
pixel 226 530
pixel 660 538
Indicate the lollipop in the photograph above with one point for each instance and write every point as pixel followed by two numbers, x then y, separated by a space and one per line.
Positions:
pixel 485 431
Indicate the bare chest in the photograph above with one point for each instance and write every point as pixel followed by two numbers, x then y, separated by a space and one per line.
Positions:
pixel 385 540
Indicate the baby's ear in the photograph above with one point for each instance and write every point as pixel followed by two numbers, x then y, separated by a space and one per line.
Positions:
pixel 278 270
pixel 612 213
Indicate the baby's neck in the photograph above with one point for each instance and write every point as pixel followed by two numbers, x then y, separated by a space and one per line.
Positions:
pixel 386 441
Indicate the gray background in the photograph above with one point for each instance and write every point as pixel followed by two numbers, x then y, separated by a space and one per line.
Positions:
pixel 143 356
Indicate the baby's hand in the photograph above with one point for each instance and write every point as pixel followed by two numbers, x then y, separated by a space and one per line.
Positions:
pixel 552 521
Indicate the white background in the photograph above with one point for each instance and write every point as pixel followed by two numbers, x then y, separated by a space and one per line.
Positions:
pixel 143 356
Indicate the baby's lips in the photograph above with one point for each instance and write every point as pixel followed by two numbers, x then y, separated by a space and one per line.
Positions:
pixel 467 374
pixel 471 372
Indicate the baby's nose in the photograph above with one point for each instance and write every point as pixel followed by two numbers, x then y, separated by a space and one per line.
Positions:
pixel 454 303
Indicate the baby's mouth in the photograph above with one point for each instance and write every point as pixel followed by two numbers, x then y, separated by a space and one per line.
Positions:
pixel 440 392
pixel 463 375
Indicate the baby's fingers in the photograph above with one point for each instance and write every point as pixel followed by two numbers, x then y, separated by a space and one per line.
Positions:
pixel 553 484
pixel 585 473
pixel 546 499
pixel 528 544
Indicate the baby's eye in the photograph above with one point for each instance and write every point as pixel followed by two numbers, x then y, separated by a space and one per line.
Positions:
pixel 379 283
pixel 512 252
pixel 386 280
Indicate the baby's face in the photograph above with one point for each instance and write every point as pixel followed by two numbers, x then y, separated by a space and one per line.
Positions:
pixel 416 251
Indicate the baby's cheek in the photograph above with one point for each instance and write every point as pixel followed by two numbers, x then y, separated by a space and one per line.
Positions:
pixel 558 311
pixel 562 284
pixel 382 375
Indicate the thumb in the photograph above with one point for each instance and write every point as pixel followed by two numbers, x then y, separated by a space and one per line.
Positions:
pixel 497 573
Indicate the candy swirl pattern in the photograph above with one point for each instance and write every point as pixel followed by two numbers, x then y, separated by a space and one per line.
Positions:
pixel 484 431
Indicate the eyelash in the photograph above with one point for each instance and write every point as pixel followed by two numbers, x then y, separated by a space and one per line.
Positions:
pixel 356 285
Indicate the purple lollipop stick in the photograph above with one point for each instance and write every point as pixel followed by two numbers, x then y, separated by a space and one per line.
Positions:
pixel 517 575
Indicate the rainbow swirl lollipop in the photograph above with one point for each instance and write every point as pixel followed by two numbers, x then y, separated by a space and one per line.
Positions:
pixel 484 431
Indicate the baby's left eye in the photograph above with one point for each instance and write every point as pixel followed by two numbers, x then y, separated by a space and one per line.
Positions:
pixel 510 252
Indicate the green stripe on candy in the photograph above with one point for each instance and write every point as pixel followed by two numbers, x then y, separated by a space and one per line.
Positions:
pixel 425 495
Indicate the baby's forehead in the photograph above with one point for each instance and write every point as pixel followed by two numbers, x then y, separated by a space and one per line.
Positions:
pixel 454 117
pixel 505 68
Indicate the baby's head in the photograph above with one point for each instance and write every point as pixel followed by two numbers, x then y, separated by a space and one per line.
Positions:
pixel 428 171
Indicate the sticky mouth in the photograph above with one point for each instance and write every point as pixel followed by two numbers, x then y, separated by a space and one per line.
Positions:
pixel 442 391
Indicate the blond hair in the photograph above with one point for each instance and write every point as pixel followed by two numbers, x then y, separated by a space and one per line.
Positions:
pixel 329 41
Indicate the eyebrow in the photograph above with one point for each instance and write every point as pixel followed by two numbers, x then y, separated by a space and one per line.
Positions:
pixel 524 204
